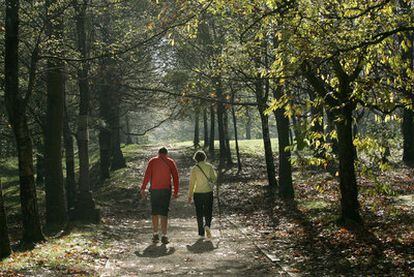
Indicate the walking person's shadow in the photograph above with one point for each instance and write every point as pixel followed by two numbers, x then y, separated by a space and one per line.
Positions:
pixel 154 251
pixel 201 246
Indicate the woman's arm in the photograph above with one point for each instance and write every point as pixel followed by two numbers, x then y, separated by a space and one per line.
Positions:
pixel 192 183
pixel 213 174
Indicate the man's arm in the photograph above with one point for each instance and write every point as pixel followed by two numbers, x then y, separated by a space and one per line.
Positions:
pixel 147 176
pixel 176 179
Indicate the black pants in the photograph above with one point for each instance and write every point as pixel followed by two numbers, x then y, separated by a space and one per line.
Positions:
pixel 204 210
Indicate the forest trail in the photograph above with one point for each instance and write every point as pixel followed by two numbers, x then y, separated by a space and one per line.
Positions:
pixel 229 253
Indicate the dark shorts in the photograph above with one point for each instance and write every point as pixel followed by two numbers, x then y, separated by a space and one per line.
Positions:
pixel 160 201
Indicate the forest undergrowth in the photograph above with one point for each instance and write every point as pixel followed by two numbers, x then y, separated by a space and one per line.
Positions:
pixel 305 233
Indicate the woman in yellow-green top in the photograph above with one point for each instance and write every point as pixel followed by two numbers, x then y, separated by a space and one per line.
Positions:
pixel 202 192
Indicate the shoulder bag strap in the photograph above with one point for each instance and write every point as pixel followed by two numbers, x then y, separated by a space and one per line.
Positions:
pixel 208 179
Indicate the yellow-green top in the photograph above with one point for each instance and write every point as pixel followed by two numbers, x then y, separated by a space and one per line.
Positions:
pixel 198 181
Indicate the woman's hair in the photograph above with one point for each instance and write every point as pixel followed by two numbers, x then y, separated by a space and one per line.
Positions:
pixel 200 156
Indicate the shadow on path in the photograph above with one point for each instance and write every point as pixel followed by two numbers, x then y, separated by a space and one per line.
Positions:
pixel 155 251
pixel 201 246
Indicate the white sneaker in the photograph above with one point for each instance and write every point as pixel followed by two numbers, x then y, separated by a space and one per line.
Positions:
pixel 208 232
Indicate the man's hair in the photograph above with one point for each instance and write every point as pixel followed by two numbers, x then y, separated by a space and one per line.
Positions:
pixel 200 156
pixel 163 150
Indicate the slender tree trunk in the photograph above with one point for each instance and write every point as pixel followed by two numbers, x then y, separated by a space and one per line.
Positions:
pixel 262 106
pixel 104 153
pixel 16 110
pixel 408 136
pixel 270 164
pixel 85 200
pixel 128 129
pixel 229 161
pixel 348 183
pixel 56 206
pixel 32 232
pixel 70 162
pixel 205 125
pixel 299 134
pixel 5 249
pixel 83 119
pixel 104 129
pixel 408 114
pixel 106 95
pixel 85 209
pixel 233 112
pixel 117 160
pixel 196 140
pixel 285 168
pixel 248 124
pixel 212 131
pixel 222 139
pixel 221 125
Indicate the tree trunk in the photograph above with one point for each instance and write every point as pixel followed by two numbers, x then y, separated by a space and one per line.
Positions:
pixel 16 110
pixel 32 232
pixel 212 131
pixel 40 169
pixel 117 160
pixel 128 130
pixel 270 164
pixel 407 56
pixel 220 124
pixel 196 140
pixel 299 134
pixel 5 249
pixel 104 153
pixel 248 124
pixel 285 168
pixel 70 162
pixel 227 139
pixel 105 105
pixel 56 206
pixel 261 98
pixel 83 119
pixel 205 123
pixel 348 183
pixel 233 112
pixel 85 209
pixel 408 136
pixel 106 96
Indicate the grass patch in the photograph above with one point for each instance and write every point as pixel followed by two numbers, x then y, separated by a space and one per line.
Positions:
pixel 253 146
pixel 313 204
pixel 71 254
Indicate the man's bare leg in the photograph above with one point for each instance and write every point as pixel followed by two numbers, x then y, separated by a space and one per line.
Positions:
pixel 155 224
pixel 164 225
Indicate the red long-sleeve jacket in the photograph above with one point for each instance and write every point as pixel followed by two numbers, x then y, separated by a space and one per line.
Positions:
pixel 159 171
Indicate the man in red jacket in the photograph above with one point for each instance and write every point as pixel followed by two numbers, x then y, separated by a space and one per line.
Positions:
pixel 159 171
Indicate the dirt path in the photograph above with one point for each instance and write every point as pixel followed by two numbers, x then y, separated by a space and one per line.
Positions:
pixel 230 253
